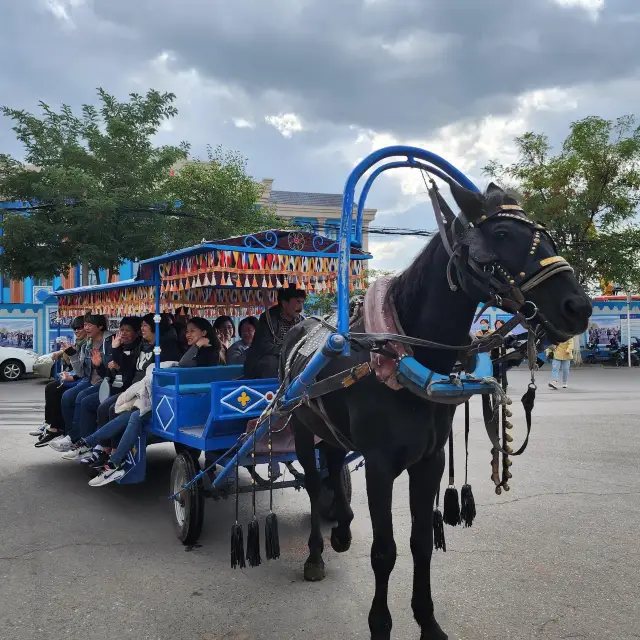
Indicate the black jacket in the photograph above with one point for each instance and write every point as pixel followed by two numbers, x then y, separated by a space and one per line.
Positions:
pixel 144 356
pixel 200 357
pixel 264 353
pixel 125 357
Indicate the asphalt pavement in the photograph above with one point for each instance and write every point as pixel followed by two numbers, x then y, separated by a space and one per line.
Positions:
pixel 555 558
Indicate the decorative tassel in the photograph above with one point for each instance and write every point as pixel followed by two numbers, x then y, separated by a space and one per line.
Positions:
pixel 253 533
pixel 451 503
pixel 237 547
pixel 468 508
pixel 237 539
pixel 253 543
pixel 451 507
pixel 438 531
pixel 271 535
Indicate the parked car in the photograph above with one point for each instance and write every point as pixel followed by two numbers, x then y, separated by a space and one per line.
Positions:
pixel 44 366
pixel 15 363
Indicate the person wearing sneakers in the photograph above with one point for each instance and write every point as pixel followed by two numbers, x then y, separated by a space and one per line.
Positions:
pixel 562 356
pixel 143 358
pixel 53 426
pixel 203 351
pixel 90 365
pixel 120 373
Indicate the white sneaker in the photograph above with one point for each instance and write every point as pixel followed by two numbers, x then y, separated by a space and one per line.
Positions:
pixel 40 430
pixel 109 474
pixel 564 386
pixel 76 454
pixel 61 444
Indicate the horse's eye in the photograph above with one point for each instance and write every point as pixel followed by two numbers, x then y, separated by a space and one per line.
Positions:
pixel 500 235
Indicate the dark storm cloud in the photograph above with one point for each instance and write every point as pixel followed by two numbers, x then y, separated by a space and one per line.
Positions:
pixel 402 64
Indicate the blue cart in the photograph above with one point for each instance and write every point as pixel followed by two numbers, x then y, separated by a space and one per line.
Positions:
pixel 211 410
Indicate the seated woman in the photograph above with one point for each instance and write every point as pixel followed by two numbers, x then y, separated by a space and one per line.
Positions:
pixel 203 351
pixel 143 357
pixel 226 333
pixel 237 352
pixel 53 425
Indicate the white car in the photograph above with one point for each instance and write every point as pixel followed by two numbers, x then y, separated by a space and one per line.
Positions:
pixel 14 363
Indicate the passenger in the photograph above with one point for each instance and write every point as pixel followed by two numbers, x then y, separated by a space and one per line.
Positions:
pixel 90 365
pixel 180 320
pixel 226 333
pixel 263 356
pixel 53 425
pixel 237 352
pixel 204 345
pixel 120 373
pixel 144 357
pixel 204 351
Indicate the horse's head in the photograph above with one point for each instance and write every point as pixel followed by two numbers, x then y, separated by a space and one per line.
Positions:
pixel 503 255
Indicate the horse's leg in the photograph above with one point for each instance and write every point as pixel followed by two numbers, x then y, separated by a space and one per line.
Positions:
pixel 305 451
pixel 380 477
pixel 340 534
pixel 424 480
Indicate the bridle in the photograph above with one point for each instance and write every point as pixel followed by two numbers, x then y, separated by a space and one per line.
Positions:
pixel 473 267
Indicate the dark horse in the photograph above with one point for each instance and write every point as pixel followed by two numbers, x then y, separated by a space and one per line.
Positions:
pixel 397 430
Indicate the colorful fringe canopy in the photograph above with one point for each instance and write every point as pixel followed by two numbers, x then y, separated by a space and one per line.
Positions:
pixel 227 280
pixel 245 270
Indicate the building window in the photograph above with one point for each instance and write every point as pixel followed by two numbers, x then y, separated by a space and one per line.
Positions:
pixel 43 282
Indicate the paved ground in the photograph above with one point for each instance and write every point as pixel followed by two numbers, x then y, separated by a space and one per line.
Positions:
pixel 557 557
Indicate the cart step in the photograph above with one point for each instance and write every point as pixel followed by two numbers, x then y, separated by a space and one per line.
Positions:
pixel 196 432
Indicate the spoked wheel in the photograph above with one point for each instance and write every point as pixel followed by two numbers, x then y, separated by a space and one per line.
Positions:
pixel 188 507
pixel 327 494
pixel 11 370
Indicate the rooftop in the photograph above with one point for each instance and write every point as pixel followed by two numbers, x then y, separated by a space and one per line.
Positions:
pixel 306 198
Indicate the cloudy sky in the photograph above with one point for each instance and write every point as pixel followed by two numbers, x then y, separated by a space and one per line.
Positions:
pixel 306 88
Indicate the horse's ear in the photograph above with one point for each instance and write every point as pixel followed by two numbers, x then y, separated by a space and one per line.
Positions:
pixel 492 187
pixel 470 202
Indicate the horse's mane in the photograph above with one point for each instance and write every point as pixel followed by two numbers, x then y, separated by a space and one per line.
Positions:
pixel 409 289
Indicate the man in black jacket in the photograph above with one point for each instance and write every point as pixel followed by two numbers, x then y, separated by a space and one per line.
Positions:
pixel 264 353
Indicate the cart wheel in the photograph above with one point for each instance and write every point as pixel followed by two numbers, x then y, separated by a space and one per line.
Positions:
pixel 188 507
pixel 185 448
pixel 327 494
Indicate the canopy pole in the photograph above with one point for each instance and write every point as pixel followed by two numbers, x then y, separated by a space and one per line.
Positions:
pixel 156 317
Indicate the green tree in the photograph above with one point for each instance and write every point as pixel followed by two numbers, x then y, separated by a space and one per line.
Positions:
pixel 92 185
pixel 324 303
pixel 221 200
pixel 587 194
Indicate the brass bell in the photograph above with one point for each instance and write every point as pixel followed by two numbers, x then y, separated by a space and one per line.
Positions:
pixel 508 413
pixel 507 462
pixel 508 475
pixel 498 490
pixel 506 486
pixel 508 437
pixel 508 449
pixel 508 425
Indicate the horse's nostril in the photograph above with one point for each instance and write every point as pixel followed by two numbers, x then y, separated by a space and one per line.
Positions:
pixel 577 307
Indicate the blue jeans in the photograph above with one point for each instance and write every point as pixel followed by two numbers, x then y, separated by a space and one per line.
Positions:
pixel 68 402
pixel 560 366
pixel 112 428
pixel 137 424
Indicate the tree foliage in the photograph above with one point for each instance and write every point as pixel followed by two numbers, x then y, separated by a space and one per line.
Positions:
pixel 325 303
pixel 587 194
pixel 92 180
pixel 99 191
pixel 220 198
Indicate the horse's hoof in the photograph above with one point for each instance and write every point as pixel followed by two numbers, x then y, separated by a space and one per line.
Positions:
pixel 340 542
pixel 313 572
pixel 432 631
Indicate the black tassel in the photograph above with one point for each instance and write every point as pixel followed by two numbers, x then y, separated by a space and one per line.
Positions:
pixel 237 547
pixel 438 531
pixel 468 508
pixel 253 543
pixel 271 537
pixel 451 507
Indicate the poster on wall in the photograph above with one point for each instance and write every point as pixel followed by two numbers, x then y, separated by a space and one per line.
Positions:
pixel 16 332
pixel 634 323
pixel 604 329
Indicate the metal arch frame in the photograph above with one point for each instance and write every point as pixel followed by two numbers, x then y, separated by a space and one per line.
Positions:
pixel 337 343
